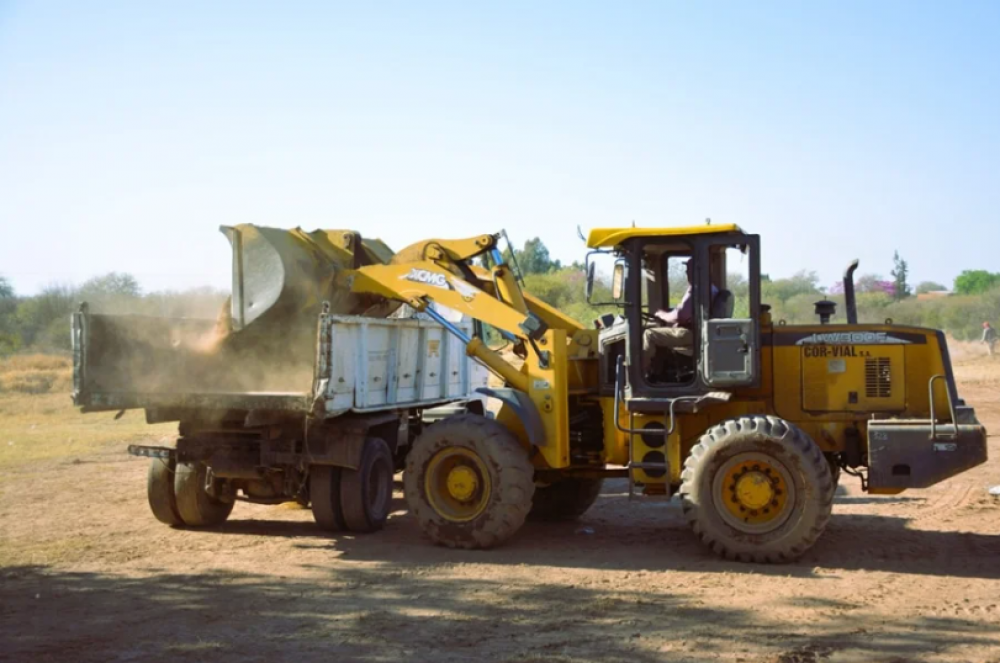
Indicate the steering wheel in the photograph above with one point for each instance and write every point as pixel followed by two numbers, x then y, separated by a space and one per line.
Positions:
pixel 649 320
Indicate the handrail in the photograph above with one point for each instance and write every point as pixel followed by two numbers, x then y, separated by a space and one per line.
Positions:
pixel 951 408
pixel 620 386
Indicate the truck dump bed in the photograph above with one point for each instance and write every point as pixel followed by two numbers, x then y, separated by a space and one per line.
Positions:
pixel 353 364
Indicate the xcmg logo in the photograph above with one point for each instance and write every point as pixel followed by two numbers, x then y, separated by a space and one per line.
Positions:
pixel 428 277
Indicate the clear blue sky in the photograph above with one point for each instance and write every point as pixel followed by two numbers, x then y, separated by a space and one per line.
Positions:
pixel 130 131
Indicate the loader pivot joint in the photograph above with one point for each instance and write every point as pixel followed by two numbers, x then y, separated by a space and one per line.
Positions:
pixel 533 327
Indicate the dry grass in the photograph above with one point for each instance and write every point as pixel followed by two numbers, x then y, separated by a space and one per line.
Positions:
pixel 47 426
pixel 36 374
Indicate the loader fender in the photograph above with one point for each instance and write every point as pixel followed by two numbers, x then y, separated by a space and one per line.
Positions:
pixel 526 411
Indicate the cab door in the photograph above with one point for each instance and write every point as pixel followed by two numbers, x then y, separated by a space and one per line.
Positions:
pixel 730 328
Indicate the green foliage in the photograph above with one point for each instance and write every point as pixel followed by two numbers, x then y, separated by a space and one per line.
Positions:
pixel 534 258
pixel 43 320
pixel 112 284
pixel 10 341
pixel 929 286
pixel 780 291
pixel 899 272
pixel 976 281
pixel 563 289
pixel 41 323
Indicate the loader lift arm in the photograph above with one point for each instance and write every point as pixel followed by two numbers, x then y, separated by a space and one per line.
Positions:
pixel 442 271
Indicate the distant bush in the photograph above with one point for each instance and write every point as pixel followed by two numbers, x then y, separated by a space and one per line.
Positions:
pixel 41 322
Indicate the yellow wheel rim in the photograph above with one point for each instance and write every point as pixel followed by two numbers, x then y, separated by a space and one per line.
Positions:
pixel 754 492
pixel 457 484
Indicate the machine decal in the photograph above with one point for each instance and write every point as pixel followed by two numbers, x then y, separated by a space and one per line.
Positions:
pixel 838 350
pixel 466 291
pixel 847 338
pixel 427 277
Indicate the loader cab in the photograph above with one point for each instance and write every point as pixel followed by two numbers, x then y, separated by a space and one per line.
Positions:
pixel 689 312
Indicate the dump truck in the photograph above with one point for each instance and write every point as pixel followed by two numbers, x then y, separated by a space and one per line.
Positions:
pixel 686 388
pixel 280 399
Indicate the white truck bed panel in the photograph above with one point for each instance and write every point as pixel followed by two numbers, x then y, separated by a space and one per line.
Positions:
pixel 359 365
pixel 377 364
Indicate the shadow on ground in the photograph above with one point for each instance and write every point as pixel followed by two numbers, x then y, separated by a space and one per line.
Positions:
pixel 405 612
pixel 654 537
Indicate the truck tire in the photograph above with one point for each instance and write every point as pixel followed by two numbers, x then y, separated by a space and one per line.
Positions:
pixel 757 489
pixel 567 499
pixel 469 482
pixel 160 491
pixel 366 492
pixel 324 495
pixel 194 505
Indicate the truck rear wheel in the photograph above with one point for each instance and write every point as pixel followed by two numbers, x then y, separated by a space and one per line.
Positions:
pixel 160 491
pixel 469 482
pixel 324 494
pixel 757 489
pixel 366 492
pixel 194 504
pixel 566 499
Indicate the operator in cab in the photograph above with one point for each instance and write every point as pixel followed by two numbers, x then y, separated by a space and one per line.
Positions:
pixel 675 334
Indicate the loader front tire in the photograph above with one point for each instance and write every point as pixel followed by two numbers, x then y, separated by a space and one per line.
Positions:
pixel 194 504
pixel 566 499
pixel 366 492
pixel 757 489
pixel 468 482
pixel 160 491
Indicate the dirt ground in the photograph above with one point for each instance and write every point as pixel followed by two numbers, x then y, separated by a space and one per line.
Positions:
pixel 86 574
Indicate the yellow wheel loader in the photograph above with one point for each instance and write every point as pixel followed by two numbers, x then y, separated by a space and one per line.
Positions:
pixel 686 391
pixel 691 389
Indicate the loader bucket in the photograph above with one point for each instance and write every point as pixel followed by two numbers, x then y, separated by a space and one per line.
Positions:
pixel 282 277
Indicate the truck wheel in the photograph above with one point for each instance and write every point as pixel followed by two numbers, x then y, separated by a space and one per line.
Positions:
pixel 567 499
pixel 194 505
pixel 160 491
pixel 469 482
pixel 757 489
pixel 324 494
pixel 366 493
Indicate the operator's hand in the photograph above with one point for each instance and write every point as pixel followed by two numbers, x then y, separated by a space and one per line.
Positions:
pixel 663 317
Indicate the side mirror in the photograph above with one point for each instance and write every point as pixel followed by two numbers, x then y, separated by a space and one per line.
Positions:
pixel 618 281
pixel 589 290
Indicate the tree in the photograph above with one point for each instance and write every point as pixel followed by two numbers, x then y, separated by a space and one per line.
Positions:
pixel 113 284
pixel 875 283
pixel 929 286
pixel 10 340
pixel 781 290
pixel 534 258
pixel 975 281
pixel 43 320
pixel 899 272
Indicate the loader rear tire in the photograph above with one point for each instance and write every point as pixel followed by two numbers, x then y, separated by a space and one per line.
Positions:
pixel 366 492
pixel 160 491
pixel 757 489
pixel 194 505
pixel 469 482
pixel 567 499
pixel 324 495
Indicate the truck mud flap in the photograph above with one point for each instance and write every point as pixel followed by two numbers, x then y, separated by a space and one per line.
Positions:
pixel 905 454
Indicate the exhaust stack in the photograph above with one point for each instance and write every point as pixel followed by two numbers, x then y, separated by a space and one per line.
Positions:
pixel 850 303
